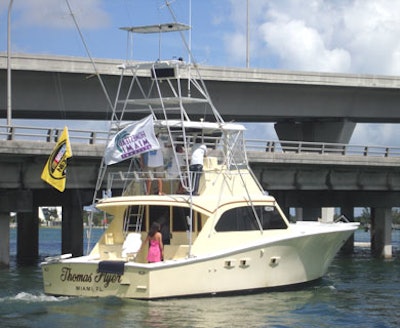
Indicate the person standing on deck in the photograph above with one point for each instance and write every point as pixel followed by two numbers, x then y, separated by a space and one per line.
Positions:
pixel 153 164
pixel 199 151
pixel 154 240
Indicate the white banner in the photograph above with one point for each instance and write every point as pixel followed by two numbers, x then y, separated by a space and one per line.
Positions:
pixel 135 139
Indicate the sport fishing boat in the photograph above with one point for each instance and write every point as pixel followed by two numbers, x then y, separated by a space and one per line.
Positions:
pixel 224 234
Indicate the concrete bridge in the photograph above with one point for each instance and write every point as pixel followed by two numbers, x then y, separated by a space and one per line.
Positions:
pixel 320 107
pixel 301 175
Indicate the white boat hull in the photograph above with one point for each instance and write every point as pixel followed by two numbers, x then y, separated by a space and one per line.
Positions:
pixel 280 263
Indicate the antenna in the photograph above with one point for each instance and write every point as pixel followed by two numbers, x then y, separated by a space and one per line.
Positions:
pixel 190 45
pixel 190 31
pixel 247 35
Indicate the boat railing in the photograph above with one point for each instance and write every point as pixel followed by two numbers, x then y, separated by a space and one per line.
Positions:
pixel 135 183
pixel 138 182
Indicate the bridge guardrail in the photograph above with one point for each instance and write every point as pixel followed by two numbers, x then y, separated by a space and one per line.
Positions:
pixel 51 134
pixel 320 148
pixel 43 134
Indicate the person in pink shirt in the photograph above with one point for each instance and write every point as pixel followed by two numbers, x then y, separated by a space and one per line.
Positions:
pixel 154 240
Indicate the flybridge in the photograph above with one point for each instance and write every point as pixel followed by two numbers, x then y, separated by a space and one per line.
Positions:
pixel 159 29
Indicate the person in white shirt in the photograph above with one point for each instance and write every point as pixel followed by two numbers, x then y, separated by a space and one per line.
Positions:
pixel 199 151
pixel 153 164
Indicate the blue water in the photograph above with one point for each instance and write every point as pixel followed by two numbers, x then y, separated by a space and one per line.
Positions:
pixel 358 291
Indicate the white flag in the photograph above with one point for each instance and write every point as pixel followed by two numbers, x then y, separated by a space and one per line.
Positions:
pixel 135 139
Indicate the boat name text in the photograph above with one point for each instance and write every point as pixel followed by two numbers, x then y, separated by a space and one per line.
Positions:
pixel 101 277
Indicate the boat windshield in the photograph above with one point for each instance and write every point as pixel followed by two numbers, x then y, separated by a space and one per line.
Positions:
pixel 243 219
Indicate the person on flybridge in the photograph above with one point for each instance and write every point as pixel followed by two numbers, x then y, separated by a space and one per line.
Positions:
pixel 152 163
pixel 199 151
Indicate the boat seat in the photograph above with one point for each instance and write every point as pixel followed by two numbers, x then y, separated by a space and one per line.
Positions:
pixel 131 245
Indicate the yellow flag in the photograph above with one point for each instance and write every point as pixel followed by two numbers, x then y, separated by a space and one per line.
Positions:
pixel 54 172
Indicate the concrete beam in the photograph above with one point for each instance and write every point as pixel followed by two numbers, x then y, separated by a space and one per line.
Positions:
pixel 327 131
pixel 310 178
pixel 266 95
pixel 333 198
pixel 16 201
pixel 318 176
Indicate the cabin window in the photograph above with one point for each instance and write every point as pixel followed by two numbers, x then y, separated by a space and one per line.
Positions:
pixel 243 219
pixel 237 219
pixel 158 214
pixel 270 218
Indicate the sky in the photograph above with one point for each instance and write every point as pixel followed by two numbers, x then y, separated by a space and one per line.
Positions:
pixel 339 36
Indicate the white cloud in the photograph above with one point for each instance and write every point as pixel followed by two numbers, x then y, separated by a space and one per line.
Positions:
pixel 303 48
pixel 353 36
pixel 376 134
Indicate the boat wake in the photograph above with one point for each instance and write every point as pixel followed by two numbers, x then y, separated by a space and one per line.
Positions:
pixel 22 309
pixel 31 298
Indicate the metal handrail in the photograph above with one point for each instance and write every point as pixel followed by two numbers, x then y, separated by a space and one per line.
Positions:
pixel 44 134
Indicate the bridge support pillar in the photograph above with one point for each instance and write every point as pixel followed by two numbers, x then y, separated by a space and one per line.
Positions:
pixel 348 247
pixel 298 214
pixel 336 132
pixel 27 237
pixel 72 224
pixel 4 239
pixel 327 214
pixel 381 232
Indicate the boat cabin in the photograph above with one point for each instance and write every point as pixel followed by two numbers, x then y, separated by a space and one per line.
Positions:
pixel 186 230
